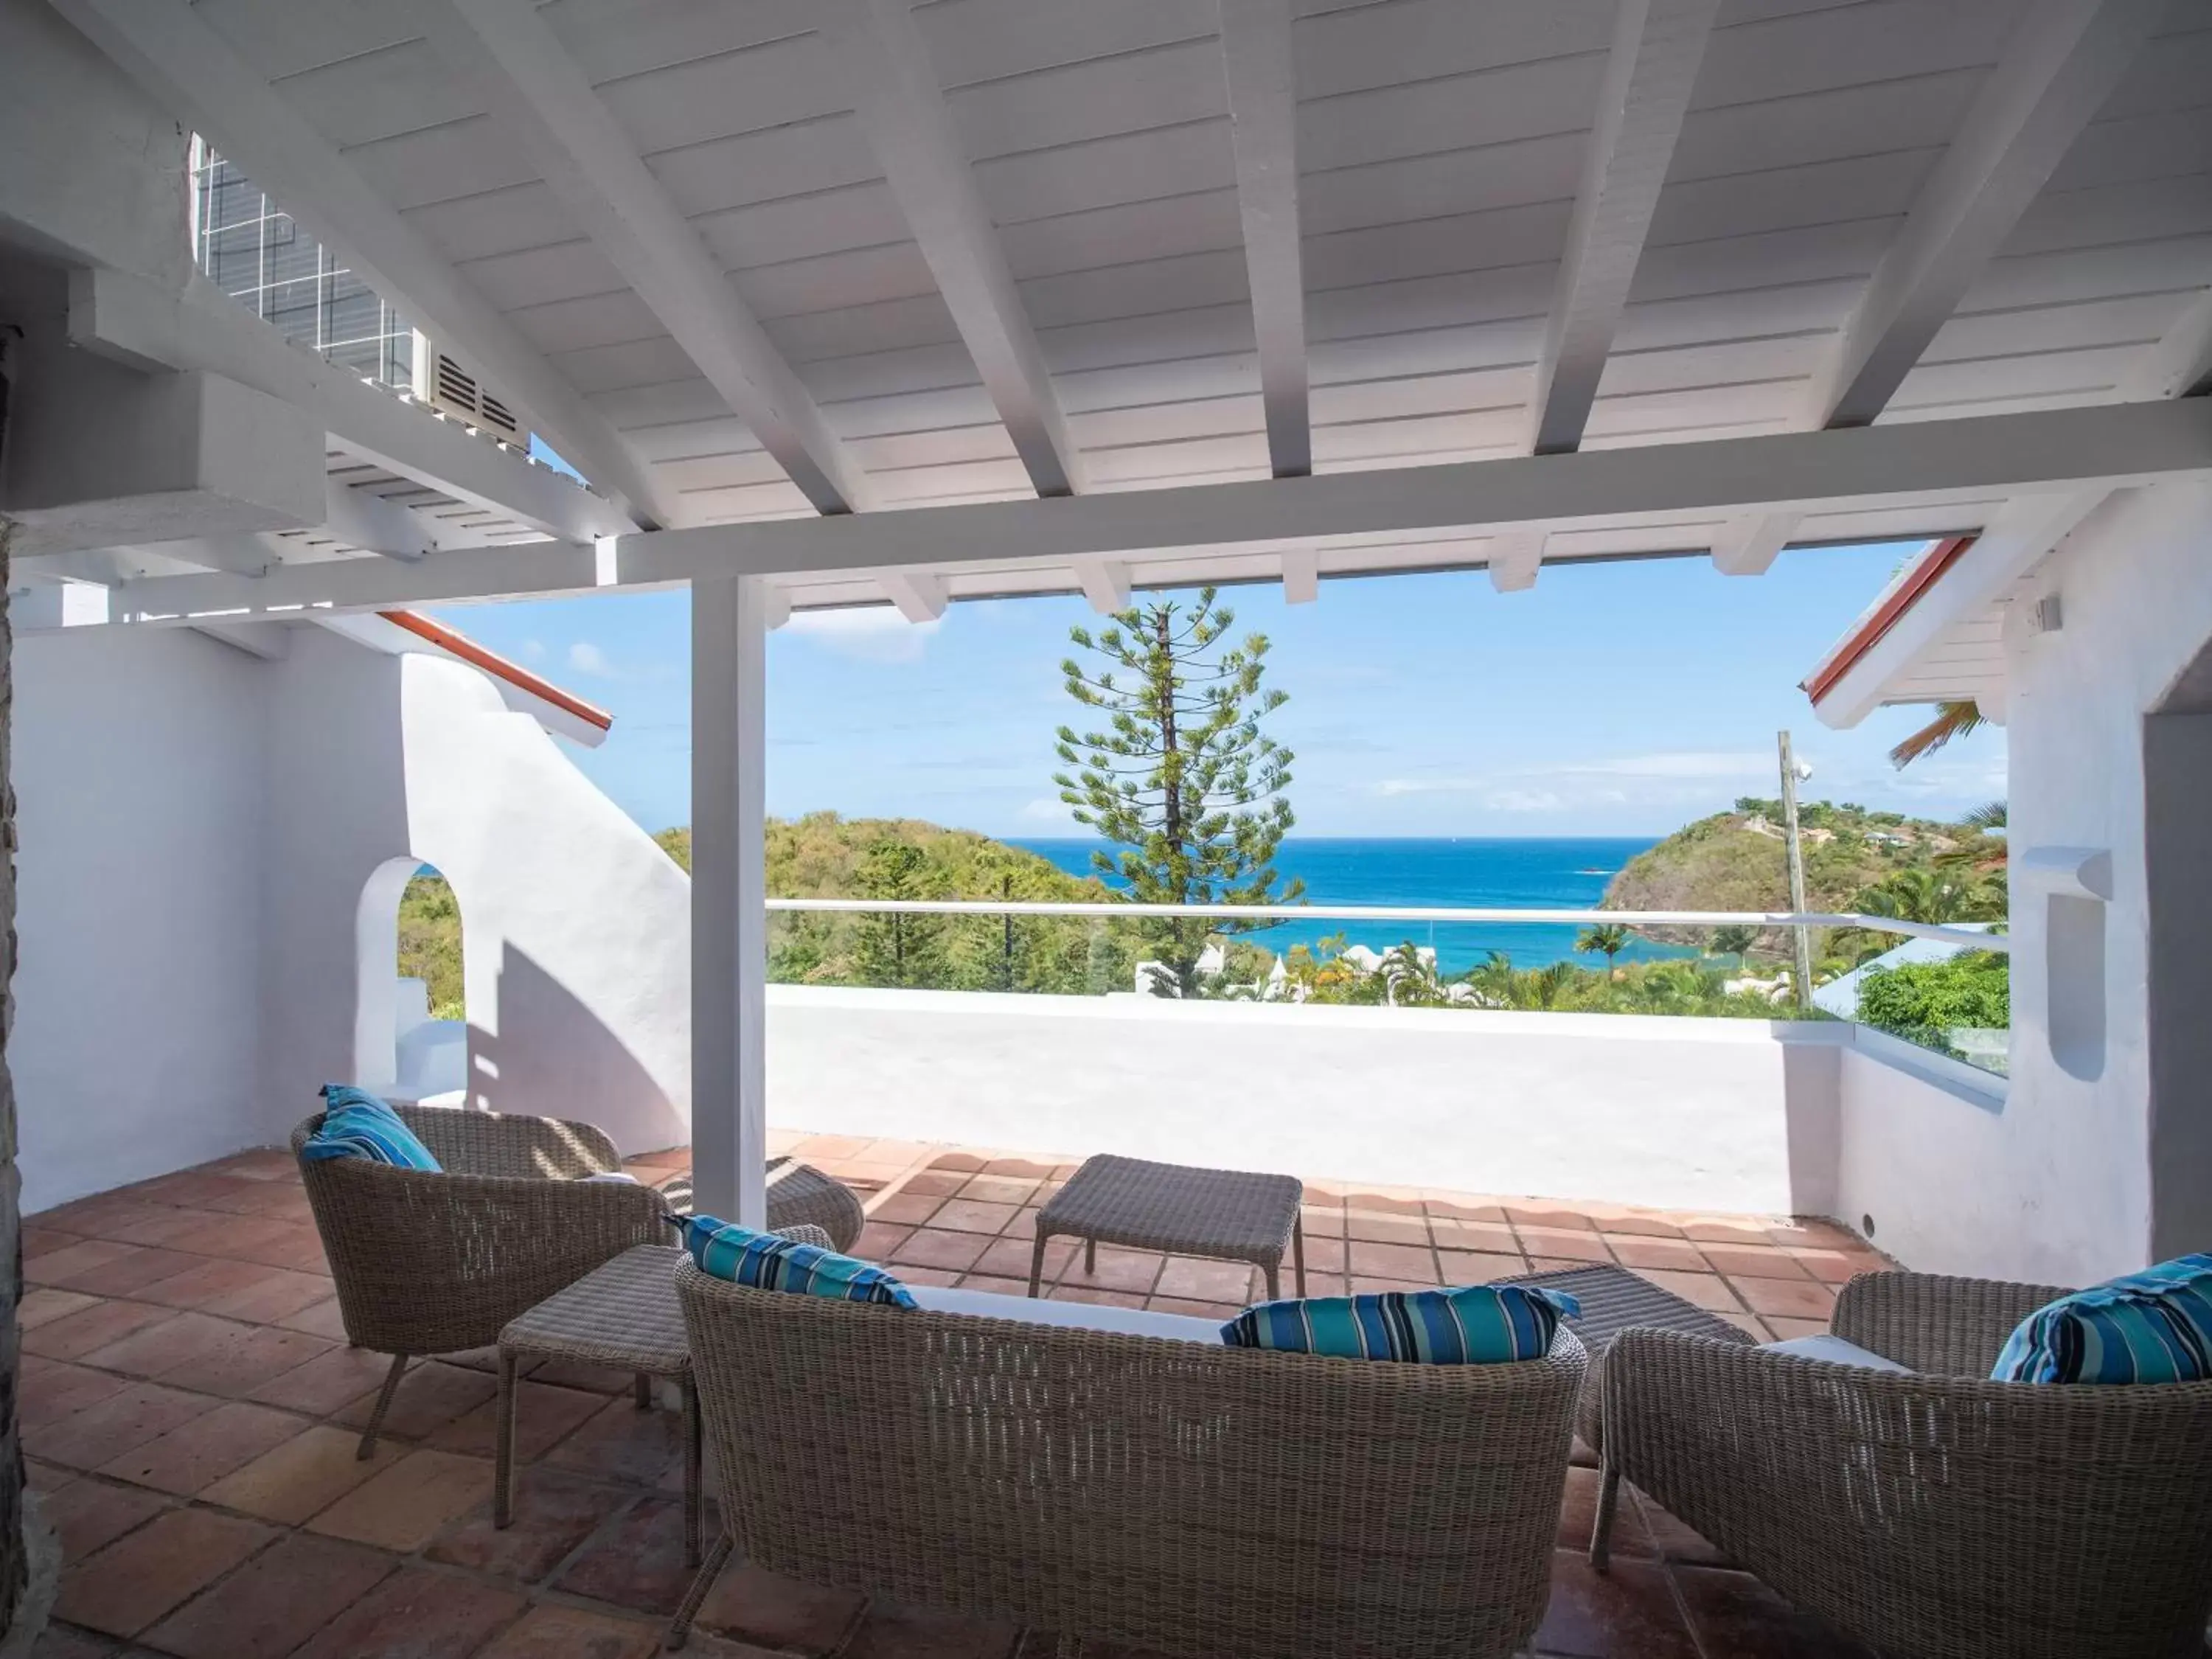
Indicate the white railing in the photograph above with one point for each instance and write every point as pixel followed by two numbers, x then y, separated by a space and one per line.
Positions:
pixel 1971 938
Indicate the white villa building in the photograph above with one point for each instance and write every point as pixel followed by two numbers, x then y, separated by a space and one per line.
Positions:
pixel 847 302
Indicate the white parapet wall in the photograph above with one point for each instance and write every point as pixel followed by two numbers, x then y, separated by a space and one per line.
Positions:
pixel 1685 1113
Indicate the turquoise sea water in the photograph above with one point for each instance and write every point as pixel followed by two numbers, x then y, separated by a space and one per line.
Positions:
pixel 1547 873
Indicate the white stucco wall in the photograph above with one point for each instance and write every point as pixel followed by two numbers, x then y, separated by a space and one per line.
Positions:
pixel 1721 1115
pixel 197 827
pixel 138 776
pixel 575 927
pixel 2056 1185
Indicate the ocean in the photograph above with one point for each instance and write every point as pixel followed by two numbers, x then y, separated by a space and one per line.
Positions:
pixel 1559 873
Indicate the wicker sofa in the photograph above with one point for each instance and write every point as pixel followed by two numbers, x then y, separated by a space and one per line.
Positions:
pixel 1936 1515
pixel 1178 1495
pixel 428 1263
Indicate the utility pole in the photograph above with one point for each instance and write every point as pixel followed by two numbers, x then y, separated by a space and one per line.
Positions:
pixel 1801 936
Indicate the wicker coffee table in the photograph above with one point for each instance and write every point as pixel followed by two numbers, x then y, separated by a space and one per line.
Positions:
pixel 1225 1214
pixel 1614 1300
pixel 624 1315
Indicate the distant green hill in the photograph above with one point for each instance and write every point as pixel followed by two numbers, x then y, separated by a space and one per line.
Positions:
pixel 1735 860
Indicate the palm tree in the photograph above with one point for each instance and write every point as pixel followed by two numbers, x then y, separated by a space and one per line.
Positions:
pixel 1611 939
pixel 1734 942
pixel 1952 720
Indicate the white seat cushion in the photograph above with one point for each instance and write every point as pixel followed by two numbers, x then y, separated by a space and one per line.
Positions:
pixel 1074 1315
pixel 1836 1351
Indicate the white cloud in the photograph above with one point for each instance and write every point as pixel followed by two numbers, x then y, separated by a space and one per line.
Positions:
pixel 865 634
pixel 1688 764
pixel 1047 809
pixel 1523 800
pixel 585 657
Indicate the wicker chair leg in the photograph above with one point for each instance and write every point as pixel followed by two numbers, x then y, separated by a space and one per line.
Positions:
pixel 694 1493
pixel 1298 1253
pixel 383 1405
pixel 1037 1263
pixel 503 1479
pixel 1609 1499
pixel 679 1628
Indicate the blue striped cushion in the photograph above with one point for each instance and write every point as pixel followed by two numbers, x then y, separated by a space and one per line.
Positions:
pixel 1481 1325
pixel 357 1124
pixel 2151 1327
pixel 766 1263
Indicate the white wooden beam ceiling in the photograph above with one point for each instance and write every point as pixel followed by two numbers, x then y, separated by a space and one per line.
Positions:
pixel 1752 542
pixel 1515 558
pixel 132 322
pixel 902 108
pixel 192 72
pixel 521 68
pixel 2061 65
pixel 1657 48
pixel 1105 583
pixel 1255 53
pixel 920 596
pixel 1938 467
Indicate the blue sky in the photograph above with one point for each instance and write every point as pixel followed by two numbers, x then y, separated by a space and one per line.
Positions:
pixel 1612 699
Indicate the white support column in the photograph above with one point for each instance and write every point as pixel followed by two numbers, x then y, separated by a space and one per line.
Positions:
pixel 729 891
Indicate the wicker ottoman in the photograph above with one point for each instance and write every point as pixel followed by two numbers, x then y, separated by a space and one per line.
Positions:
pixel 1226 1214
pixel 624 1315
pixel 799 1195
pixel 1612 1299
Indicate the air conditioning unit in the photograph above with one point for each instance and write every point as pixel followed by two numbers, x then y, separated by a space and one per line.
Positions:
pixel 447 387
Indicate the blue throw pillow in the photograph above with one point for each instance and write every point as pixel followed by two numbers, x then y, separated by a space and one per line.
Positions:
pixel 1481 1325
pixel 2151 1327
pixel 357 1124
pixel 766 1263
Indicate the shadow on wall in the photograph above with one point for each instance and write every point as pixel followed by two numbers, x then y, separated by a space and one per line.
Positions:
pixel 1812 1086
pixel 550 1056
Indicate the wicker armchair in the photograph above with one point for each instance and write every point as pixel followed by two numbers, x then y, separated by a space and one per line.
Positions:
pixel 437 1263
pixel 1186 1499
pixel 1935 1516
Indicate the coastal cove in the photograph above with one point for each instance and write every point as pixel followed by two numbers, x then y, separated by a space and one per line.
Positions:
pixel 1546 873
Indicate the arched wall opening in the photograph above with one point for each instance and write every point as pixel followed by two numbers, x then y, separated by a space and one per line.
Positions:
pixel 410 1016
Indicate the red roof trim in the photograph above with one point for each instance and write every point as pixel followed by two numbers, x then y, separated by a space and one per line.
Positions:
pixel 1887 615
pixel 461 645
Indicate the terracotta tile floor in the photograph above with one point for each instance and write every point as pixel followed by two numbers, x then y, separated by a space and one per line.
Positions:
pixel 188 1392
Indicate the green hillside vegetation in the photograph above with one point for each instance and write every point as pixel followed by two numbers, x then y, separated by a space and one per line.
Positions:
pixel 430 942
pixel 823 855
pixel 1875 863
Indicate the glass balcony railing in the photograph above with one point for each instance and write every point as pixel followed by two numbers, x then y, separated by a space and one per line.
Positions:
pixel 1941 988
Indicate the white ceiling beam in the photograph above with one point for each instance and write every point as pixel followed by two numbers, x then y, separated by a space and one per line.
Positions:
pixel 1105 583
pixel 2062 63
pixel 519 66
pixel 895 92
pixel 919 597
pixel 2178 364
pixel 131 321
pixel 1799 471
pixel 1514 557
pixel 2021 531
pixel 1657 47
pixel 1301 575
pixel 1256 58
pixel 1749 545
pixel 1942 468
pixel 189 69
